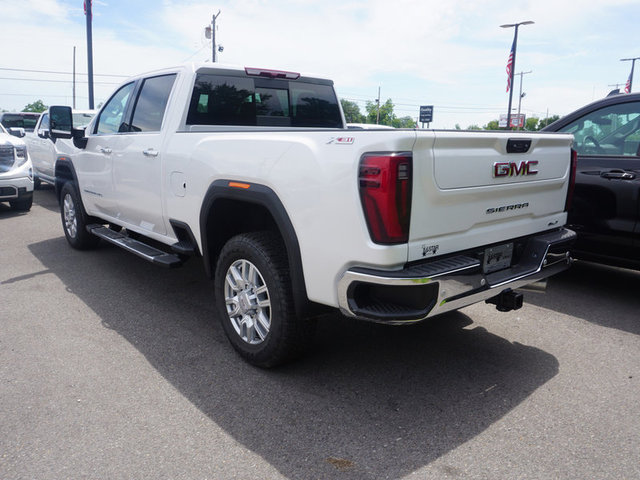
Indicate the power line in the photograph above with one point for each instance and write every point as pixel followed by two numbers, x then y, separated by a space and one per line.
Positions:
pixel 53 81
pixel 61 73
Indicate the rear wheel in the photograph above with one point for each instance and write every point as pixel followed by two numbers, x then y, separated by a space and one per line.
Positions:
pixel 254 300
pixel 74 219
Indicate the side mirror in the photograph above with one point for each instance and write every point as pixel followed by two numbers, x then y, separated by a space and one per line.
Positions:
pixel 42 133
pixel 17 132
pixel 60 122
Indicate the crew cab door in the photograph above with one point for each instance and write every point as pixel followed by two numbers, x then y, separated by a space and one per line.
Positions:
pixel 137 166
pixel 105 141
pixel 41 148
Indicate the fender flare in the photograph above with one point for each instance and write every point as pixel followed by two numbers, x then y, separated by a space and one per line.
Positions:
pixel 64 162
pixel 265 197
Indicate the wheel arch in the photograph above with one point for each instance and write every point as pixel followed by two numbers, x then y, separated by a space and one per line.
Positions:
pixel 252 207
pixel 64 172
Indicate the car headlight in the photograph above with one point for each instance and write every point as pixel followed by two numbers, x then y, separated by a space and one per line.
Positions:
pixel 21 155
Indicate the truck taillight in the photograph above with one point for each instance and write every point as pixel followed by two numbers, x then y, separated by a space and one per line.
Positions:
pixel 385 192
pixel 572 179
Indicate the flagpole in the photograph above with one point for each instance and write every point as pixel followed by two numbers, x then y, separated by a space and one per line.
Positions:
pixel 512 61
pixel 633 64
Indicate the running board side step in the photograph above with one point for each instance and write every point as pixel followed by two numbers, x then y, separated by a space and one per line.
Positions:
pixel 147 252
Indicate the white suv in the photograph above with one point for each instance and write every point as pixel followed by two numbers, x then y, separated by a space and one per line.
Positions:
pixel 16 172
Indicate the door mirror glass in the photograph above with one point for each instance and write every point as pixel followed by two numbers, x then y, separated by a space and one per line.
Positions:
pixel 60 122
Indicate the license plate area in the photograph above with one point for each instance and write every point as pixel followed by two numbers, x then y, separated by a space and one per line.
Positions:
pixel 497 258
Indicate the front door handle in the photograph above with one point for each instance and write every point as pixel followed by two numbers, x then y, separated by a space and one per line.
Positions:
pixel 618 175
pixel 150 152
pixel 105 150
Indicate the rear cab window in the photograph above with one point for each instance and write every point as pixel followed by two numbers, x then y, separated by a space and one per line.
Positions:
pixel 238 100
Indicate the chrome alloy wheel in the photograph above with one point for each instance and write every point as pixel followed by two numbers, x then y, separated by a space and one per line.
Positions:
pixel 70 220
pixel 247 300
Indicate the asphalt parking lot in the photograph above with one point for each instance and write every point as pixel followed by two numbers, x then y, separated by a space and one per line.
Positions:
pixel 112 368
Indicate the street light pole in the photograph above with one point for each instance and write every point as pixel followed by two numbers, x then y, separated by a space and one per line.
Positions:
pixel 633 64
pixel 512 63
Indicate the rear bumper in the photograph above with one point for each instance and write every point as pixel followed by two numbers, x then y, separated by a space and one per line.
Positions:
pixel 427 289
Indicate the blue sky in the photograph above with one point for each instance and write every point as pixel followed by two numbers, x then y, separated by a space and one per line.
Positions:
pixel 450 54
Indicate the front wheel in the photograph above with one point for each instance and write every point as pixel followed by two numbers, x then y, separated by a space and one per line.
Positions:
pixel 22 205
pixel 74 219
pixel 254 300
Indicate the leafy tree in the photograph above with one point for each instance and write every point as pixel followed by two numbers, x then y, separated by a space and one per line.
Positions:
pixel 404 122
pixel 352 111
pixel 38 106
pixel 386 112
pixel 531 124
pixel 473 127
pixel 492 125
pixel 547 121
pixel 458 127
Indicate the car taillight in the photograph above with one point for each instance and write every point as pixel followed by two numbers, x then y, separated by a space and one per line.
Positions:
pixel 385 192
pixel 572 179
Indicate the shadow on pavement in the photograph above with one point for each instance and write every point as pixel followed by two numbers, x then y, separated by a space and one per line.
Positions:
pixel 603 295
pixel 369 401
pixel 45 196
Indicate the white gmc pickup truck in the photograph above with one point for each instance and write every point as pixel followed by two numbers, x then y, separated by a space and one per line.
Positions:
pixel 254 171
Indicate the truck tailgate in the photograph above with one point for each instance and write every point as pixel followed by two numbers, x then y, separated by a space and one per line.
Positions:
pixel 481 188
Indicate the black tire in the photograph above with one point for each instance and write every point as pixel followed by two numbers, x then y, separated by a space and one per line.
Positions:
pixel 37 183
pixel 74 219
pixel 22 205
pixel 260 322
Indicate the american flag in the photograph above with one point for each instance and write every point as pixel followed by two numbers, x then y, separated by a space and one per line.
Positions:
pixel 627 87
pixel 510 65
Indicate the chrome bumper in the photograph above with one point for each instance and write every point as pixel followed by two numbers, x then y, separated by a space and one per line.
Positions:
pixel 427 289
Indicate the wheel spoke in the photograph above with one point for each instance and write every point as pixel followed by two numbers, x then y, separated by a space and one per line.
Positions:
pixel 262 325
pixel 233 302
pixel 234 278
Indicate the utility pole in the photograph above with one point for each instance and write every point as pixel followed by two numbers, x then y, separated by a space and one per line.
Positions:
pixel 378 103
pixel 521 95
pixel 629 84
pixel 212 30
pixel 88 14
pixel 74 76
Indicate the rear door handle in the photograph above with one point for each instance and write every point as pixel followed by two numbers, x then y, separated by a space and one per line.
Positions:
pixel 105 150
pixel 150 152
pixel 618 175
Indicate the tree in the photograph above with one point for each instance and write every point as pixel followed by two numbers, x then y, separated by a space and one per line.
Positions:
pixel 352 111
pixel 492 125
pixel 531 124
pixel 473 127
pixel 404 122
pixel 547 121
pixel 386 113
pixel 38 106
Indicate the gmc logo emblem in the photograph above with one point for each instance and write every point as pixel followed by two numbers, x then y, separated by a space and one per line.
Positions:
pixel 513 169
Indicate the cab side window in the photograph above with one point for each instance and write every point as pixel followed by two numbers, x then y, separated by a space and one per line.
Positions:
pixel 111 117
pixel 613 130
pixel 151 103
